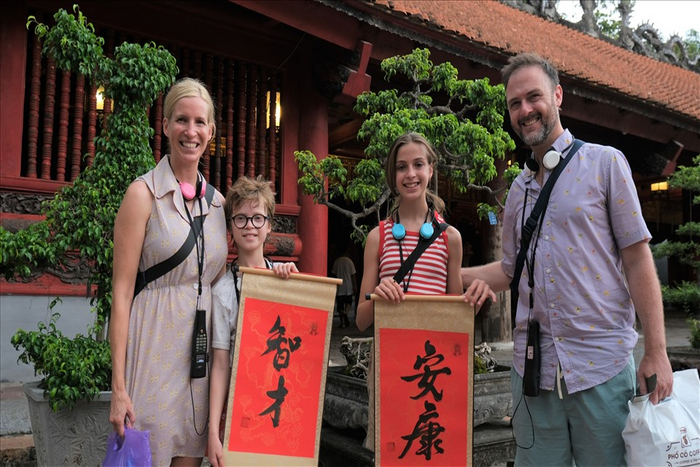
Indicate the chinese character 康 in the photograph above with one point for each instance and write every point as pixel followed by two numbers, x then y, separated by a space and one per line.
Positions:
pixel 427 432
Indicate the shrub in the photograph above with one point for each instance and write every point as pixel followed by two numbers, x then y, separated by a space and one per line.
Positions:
pixel 74 369
pixel 685 296
pixel 694 326
pixel 81 216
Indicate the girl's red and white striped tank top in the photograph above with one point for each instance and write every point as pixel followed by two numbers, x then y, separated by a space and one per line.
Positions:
pixel 430 271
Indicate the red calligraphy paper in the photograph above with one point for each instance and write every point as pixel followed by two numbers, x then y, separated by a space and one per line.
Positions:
pixel 402 433
pixel 256 375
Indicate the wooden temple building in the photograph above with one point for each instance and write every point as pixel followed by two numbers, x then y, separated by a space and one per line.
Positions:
pixel 310 59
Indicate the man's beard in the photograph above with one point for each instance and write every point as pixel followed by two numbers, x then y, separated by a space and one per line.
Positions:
pixel 540 136
pixel 547 124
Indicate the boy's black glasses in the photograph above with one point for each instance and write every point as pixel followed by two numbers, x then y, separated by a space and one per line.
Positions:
pixel 258 220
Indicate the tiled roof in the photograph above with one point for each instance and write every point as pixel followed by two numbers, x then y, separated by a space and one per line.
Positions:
pixel 498 26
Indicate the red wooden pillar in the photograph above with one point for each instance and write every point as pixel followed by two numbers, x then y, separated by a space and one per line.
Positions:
pixel 289 172
pixel 13 55
pixel 313 136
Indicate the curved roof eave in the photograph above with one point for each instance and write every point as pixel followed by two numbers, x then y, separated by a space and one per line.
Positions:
pixel 593 68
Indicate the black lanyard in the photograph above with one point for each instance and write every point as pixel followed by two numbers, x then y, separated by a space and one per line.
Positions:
pixel 530 261
pixel 527 230
pixel 234 267
pixel 200 251
pixel 406 282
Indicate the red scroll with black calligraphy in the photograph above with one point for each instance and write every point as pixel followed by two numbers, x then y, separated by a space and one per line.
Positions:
pixel 275 404
pixel 423 379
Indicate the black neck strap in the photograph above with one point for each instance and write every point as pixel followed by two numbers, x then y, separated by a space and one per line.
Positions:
pixel 420 240
pixel 423 244
pixel 531 224
pixel 199 239
pixel 162 268
pixel 236 278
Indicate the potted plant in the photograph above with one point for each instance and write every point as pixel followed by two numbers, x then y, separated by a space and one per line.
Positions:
pixel 463 119
pixel 80 219
pixel 685 357
pixel 76 377
pixel 345 407
pixel 686 248
pixel 684 296
pixel 466 130
pixel 694 325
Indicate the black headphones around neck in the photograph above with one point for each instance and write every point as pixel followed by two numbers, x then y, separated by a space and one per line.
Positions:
pixel 550 160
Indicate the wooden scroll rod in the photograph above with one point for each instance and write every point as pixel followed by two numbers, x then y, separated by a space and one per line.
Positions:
pixel 423 298
pixel 294 275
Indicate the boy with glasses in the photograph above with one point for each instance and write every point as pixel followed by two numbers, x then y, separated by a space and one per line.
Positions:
pixel 249 208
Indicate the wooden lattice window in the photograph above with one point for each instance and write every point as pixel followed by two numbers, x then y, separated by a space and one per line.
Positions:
pixel 63 118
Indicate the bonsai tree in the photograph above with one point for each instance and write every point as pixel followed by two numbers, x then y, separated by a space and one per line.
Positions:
pixel 462 119
pixel 465 126
pixel 81 217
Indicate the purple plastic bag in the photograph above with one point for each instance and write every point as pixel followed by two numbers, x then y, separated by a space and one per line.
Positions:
pixel 132 451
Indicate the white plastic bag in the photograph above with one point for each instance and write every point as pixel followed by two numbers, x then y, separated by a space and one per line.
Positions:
pixel 666 434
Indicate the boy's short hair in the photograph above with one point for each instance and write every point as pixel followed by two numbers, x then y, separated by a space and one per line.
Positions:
pixel 249 189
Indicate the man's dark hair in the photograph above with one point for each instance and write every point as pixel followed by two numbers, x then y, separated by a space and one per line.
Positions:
pixel 529 59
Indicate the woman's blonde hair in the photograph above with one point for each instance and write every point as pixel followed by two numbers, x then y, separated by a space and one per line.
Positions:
pixel 434 201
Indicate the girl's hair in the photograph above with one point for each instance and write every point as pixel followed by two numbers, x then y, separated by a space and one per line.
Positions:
pixel 434 201
pixel 189 87
pixel 249 189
